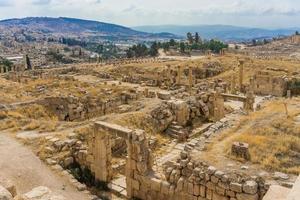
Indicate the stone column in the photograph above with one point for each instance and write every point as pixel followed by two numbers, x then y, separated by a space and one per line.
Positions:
pixel 241 74
pixel 190 80
pixel 233 84
pixel 252 86
pixel 158 79
pixel 179 75
pixel 139 162
pixel 250 100
pixel 102 156
pixel 169 78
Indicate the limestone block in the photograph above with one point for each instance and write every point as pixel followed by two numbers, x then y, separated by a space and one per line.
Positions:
pixel 41 193
pixel 202 191
pixel 230 193
pixel 236 187
pixel 164 95
pixel 250 187
pixel 243 196
pixel 209 194
pixel 135 185
pixel 68 161
pixel 240 150
pixel 155 184
pixel 8 185
pixel 214 179
pixel 220 191
pixel 211 186
pixel 223 185
pixel 219 197
pixel 196 190
pixel 180 182
pixel 211 170
pixel 277 192
pixel 5 194
pixel 190 188
pixel 165 187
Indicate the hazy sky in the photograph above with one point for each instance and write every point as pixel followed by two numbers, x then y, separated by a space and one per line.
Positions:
pixel 255 13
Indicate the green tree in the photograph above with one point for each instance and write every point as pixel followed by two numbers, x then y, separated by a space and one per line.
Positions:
pixel 6 63
pixel 197 38
pixel 172 42
pixel 182 47
pixel 190 37
pixel 166 46
pixel 154 49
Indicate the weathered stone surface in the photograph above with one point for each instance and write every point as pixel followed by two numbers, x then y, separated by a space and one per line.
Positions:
pixel 277 192
pixel 216 196
pixel 41 193
pixel 240 150
pixel 236 187
pixel 5 194
pixel 164 95
pixel 280 176
pixel 250 187
pixel 68 161
pixel 9 185
pixel 243 196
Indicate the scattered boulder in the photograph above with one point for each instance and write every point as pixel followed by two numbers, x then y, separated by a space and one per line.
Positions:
pixel 9 186
pixel 280 176
pixel 164 95
pixel 240 150
pixel 41 193
pixel 5 194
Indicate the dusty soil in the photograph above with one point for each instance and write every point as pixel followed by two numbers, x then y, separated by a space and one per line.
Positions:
pixel 26 170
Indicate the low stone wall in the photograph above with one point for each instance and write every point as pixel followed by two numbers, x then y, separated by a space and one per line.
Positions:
pixel 206 106
pixel 183 179
pixel 187 179
pixel 74 108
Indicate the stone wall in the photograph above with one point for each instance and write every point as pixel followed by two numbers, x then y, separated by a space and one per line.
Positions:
pixel 265 83
pixel 204 107
pixel 74 108
pixel 182 179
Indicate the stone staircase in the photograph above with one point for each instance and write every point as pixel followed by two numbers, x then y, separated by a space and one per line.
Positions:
pixel 176 131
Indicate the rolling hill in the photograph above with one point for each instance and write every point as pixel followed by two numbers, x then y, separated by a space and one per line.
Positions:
pixel 223 32
pixel 80 27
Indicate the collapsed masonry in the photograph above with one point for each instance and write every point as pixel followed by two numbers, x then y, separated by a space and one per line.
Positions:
pixel 182 179
pixel 275 82
pixel 73 108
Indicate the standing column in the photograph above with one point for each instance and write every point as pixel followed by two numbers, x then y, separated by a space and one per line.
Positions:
pixel 241 74
pixel 169 79
pixel 102 156
pixel 179 75
pixel 190 80
pixel 233 84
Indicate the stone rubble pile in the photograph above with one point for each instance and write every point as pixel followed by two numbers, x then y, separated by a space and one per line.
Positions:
pixel 198 180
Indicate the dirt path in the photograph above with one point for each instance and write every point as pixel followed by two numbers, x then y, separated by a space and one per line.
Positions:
pixel 27 171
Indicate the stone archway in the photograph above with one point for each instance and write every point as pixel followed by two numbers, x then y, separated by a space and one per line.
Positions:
pixel 138 161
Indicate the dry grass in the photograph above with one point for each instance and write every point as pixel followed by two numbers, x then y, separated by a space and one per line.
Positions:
pixel 33 117
pixel 274 139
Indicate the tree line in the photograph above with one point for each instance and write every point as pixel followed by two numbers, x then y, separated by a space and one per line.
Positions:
pixel 192 42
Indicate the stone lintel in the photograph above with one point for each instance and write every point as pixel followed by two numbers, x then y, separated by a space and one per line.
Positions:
pixel 120 131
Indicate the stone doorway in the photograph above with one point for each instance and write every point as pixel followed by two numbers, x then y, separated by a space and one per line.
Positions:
pixel 138 160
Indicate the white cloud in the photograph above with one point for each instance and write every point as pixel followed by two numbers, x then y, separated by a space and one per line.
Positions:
pixel 141 12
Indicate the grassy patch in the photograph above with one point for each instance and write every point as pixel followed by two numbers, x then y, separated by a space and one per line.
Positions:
pixel 273 138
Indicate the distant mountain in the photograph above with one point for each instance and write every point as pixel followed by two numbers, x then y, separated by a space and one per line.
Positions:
pixel 63 25
pixel 222 32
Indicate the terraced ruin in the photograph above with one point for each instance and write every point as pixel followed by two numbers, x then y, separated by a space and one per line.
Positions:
pixel 220 127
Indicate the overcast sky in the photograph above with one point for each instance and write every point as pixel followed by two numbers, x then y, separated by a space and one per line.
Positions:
pixel 250 13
